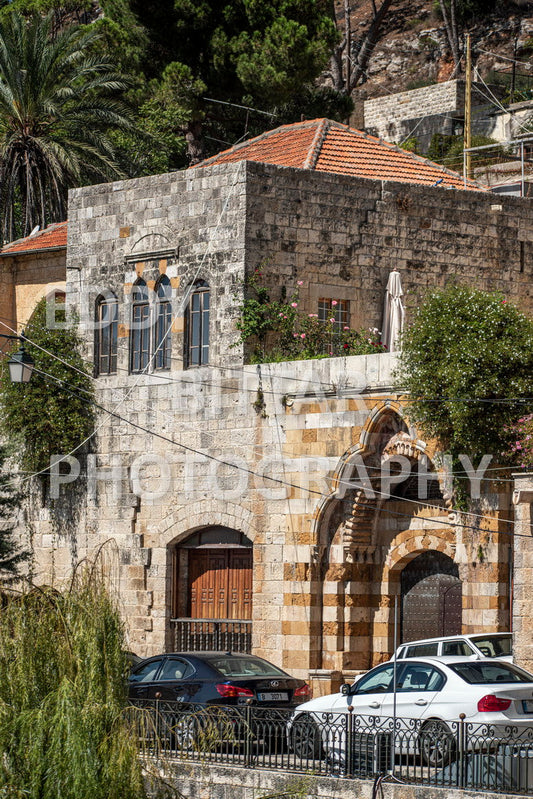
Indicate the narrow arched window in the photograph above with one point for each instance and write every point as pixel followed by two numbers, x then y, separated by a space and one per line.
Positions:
pixel 140 328
pixel 197 324
pixel 163 322
pixel 105 335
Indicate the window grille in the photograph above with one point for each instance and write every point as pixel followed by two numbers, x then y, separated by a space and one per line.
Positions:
pixel 339 311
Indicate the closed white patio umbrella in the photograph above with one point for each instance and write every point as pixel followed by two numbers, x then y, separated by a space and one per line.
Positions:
pixel 393 312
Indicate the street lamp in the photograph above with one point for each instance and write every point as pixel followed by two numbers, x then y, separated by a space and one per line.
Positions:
pixel 20 363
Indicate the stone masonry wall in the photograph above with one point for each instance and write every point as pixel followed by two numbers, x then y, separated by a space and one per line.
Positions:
pixel 25 280
pixel 342 236
pixel 439 108
pixel 268 450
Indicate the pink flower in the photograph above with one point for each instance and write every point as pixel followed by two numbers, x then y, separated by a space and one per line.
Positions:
pixel 334 302
pixel 294 304
pixel 280 313
pixel 302 335
pixel 300 283
pixel 332 319
pixel 345 327
pixel 504 302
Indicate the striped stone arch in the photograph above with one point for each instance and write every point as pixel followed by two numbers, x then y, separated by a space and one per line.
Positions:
pixel 359 519
pixel 210 512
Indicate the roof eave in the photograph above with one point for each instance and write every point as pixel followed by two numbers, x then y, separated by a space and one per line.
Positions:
pixel 32 251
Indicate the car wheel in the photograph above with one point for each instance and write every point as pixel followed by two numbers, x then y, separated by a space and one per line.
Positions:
pixel 306 740
pixel 437 745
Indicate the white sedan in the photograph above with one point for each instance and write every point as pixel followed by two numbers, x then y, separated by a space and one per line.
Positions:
pixel 423 700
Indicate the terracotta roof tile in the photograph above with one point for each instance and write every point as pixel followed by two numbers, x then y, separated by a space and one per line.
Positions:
pixel 52 237
pixel 328 146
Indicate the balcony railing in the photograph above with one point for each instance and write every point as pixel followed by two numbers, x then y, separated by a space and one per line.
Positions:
pixel 204 635
pixel 449 755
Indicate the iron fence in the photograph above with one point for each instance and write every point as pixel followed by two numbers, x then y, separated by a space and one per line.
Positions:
pixel 456 754
pixel 208 635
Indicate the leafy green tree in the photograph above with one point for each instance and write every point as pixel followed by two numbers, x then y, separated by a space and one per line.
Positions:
pixel 174 103
pixel 448 150
pixel 65 731
pixel 252 53
pixel 11 554
pixel 58 100
pixel 467 364
pixel 53 413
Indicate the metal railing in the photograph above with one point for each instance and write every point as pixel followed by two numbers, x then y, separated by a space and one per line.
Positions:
pixel 205 635
pixel 456 754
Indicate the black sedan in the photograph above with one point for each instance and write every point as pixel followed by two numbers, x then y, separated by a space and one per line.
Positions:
pixel 215 678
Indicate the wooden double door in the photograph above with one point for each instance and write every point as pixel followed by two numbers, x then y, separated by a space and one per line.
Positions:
pixel 220 583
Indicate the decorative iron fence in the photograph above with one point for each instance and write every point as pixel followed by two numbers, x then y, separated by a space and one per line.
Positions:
pixel 206 635
pixel 455 754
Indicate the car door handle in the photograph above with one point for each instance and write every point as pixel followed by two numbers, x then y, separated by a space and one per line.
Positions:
pixel 374 704
pixel 421 702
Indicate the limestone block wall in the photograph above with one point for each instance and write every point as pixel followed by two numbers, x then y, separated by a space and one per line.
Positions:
pixel 25 279
pixel 182 457
pixel 342 236
pixel 421 112
pixel 523 572
pixel 179 450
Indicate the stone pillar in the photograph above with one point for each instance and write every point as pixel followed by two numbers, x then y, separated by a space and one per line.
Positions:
pixel 522 609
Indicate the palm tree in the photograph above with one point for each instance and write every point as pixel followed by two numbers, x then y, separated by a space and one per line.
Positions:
pixel 59 99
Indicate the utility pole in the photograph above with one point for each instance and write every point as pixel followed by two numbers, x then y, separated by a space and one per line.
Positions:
pixel 468 112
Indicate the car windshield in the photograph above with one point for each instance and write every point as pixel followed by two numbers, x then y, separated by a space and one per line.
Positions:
pixel 477 673
pixel 245 667
pixel 493 646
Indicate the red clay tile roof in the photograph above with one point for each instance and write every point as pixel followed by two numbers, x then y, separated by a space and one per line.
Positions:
pixel 51 238
pixel 328 146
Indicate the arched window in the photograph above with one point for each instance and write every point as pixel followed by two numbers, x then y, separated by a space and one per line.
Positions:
pixel 140 328
pixel 197 324
pixel 105 335
pixel 163 321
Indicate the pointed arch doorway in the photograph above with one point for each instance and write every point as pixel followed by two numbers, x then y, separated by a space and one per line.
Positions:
pixel 431 597
pixel 212 591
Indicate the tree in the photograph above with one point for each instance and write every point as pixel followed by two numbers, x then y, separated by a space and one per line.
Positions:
pixel 11 555
pixel 258 54
pixel 58 100
pixel 467 364
pixel 53 413
pixel 349 59
pixel 66 732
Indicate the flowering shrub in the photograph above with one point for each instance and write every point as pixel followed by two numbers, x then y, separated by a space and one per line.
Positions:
pixel 522 441
pixel 467 362
pixel 278 330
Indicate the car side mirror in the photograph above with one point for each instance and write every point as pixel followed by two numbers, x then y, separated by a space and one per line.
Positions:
pixel 347 689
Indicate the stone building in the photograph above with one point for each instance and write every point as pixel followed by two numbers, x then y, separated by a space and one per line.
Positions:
pixel 244 502
pixel 31 269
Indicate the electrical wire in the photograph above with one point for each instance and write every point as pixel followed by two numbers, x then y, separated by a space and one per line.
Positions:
pixel 279 481
pixel 52 355
pixel 183 303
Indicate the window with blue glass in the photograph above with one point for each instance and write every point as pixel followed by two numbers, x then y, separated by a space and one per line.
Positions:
pixel 163 324
pixel 140 328
pixel 197 325
pixel 105 335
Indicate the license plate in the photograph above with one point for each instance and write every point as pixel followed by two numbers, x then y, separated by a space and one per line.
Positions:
pixel 527 705
pixel 273 697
